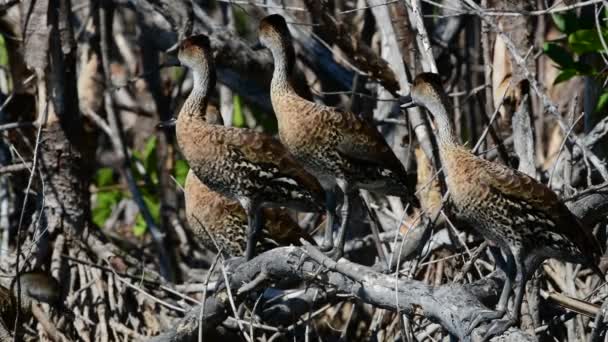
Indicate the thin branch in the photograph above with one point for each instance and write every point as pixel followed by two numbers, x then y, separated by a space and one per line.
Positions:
pixel 115 123
pixel 16 168
pixel 493 12
pixel 261 5
pixel 13 125
pixel 42 120
pixel 548 104
pixel 424 45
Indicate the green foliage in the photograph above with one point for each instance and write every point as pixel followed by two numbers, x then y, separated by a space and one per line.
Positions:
pixel 582 37
pixel 241 19
pixel 266 121
pixel 140 227
pixel 559 55
pixel 153 204
pixel 584 41
pixel 110 193
pixel 238 117
pixel 104 177
pixel 4 60
pixel 3 52
pixel 565 75
pixel 177 73
pixel 181 171
pixel 566 22
pixel 149 175
pixel 106 200
pixel 149 160
pixel 602 102
pixel 565 60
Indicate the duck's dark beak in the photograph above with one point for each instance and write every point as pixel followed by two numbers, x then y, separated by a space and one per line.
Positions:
pixel 257 46
pixel 406 102
pixel 172 59
pixel 173 49
pixel 167 124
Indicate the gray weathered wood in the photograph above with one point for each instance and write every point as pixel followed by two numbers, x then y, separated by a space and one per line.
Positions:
pixel 523 138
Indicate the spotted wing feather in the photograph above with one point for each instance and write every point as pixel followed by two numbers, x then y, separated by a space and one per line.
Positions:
pixel 219 222
pixel 360 140
pixel 536 197
pixel 264 150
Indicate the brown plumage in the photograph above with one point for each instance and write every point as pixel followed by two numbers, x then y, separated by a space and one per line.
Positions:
pixel 220 223
pixel 242 164
pixel 336 146
pixel 522 216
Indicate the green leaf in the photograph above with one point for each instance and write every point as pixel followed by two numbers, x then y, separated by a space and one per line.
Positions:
pixel 150 159
pixel 584 41
pixel 238 118
pixel 153 205
pixel 566 22
pixel 3 52
pixel 149 154
pixel 181 171
pixel 602 102
pixel 144 163
pixel 100 215
pixel 241 19
pixel 150 148
pixel 104 176
pixel 177 73
pixel 105 202
pixel 565 75
pixel 558 54
pixel 140 227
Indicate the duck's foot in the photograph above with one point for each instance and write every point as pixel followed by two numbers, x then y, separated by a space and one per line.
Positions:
pixel 381 267
pixel 232 263
pixel 335 253
pixel 325 248
pixel 483 317
pixel 498 327
pixel 259 279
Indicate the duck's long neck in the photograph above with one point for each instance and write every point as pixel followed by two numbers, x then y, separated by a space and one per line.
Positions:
pixel 446 137
pixel 196 103
pixel 284 60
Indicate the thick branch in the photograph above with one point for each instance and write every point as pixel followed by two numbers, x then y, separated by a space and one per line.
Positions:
pixel 452 305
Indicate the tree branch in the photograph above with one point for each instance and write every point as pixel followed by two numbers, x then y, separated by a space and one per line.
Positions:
pixel 451 305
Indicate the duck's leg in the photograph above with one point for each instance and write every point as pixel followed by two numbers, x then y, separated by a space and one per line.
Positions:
pixel 330 204
pixel 254 227
pixel 498 258
pixel 383 264
pixel 498 327
pixel 489 315
pixel 338 249
pixel 510 270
